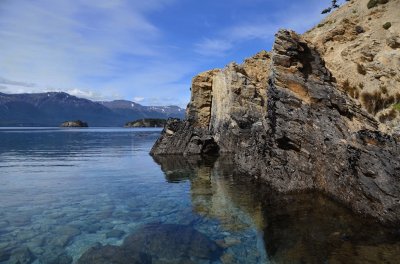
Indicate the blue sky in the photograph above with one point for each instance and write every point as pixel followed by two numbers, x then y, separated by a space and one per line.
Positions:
pixel 145 51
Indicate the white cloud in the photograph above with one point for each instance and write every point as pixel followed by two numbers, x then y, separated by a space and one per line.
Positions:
pixel 213 47
pixel 138 99
pixel 18 83
pixel 3 88
pixel 262 28
pixel 68 44
pixel 91 95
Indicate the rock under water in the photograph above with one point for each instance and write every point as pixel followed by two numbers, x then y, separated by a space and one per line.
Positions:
pixel 157 243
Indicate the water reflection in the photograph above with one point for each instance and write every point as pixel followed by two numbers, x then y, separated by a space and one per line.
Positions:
pixel 296 228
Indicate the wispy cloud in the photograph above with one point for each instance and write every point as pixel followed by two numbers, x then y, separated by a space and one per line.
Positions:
pixel 72 44
pixel 138 99
pixel 92 95
pixel 261 28
pixel 18 83
pixel 213 47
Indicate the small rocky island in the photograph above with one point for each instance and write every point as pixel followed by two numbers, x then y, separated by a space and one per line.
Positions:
pixel 76 123
pixel 147 122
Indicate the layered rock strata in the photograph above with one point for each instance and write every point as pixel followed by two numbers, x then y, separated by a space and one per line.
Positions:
pixel 288 125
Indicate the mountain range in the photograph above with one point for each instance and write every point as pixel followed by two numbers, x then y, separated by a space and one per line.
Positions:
pixel 52 108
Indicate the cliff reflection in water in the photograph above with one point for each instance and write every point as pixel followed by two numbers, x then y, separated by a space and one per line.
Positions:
pixel 295 228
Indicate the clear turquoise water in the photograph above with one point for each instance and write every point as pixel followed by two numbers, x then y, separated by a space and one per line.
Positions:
pixel 63 191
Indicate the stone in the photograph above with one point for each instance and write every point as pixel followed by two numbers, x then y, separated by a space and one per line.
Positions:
pixel 113 254
pixel 64 236
pixel 227 258
pixel 22 256
pixel 393 42
pixel 296 131
pixel 231 241
pixel 115 233
pixel 63 258
pixel 4 255
pixel 93 228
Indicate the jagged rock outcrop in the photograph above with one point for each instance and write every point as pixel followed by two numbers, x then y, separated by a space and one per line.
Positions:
pixel 225 105
pixel 294 130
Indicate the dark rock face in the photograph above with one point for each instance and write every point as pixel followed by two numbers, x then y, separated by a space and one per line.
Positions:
pixel 180 137
pixel 167 243
pixel 301 133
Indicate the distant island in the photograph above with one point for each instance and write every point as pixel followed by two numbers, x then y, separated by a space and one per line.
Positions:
pixel 147 122
pixel 76 123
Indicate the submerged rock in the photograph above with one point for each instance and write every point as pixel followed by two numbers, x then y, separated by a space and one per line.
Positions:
pixel 115 233
pixel 22 256
pixel 112 254
pixel 295 130
pixel 153 243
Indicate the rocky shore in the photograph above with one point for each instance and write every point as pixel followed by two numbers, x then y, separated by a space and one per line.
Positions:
pixel 288 124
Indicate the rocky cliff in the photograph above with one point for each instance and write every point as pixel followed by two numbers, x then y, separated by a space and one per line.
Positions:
pixel 360 43
pixel 289 125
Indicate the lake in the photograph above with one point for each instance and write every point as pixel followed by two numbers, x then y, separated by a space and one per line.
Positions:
pixel 97 196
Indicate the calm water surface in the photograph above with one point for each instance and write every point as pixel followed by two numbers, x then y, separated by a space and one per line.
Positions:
pixel 96 196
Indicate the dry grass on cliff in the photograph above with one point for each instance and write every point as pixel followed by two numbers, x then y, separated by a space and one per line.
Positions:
pixel 362 54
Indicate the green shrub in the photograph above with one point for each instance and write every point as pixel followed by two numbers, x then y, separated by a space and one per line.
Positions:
pixel 372 3
pixel 387 25
pixel 396 106
pixel 382 2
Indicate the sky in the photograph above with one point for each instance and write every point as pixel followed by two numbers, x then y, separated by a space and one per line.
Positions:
pixel 145 51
